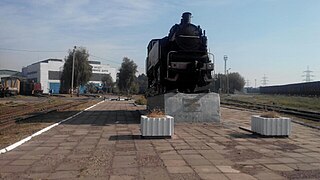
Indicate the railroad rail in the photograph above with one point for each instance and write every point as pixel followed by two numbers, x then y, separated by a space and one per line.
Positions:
pixel 18 114
pixel 309 115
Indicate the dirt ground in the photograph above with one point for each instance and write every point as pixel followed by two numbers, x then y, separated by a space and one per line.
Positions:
pixel 14 105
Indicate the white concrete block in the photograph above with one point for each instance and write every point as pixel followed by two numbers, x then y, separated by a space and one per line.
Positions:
pixel 163 126
pixel 271 126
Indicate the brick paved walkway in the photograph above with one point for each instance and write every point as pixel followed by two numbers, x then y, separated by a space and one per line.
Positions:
pixel 105 143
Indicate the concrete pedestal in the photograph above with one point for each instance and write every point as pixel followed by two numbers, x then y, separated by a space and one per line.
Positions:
pixel 201 107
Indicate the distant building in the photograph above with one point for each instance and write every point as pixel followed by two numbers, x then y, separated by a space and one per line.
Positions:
pixel 8 73
pixel 48 73
pixel 99 70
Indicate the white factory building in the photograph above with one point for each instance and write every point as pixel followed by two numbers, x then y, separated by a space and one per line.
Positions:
pixel 48 73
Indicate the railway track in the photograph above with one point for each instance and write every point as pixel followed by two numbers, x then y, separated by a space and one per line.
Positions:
pixel 309 115
pixel 19 114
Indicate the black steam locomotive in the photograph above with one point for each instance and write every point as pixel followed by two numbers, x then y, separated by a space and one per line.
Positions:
pixel 179 61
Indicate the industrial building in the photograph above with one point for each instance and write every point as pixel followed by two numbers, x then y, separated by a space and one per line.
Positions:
pixel 8 73
pixel 48 73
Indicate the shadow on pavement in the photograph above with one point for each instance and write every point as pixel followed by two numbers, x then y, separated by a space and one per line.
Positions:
pixel 136 137
pixel 254 136
pixel 94 118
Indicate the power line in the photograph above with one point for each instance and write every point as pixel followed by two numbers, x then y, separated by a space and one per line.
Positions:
pixel 104 59
pixel 26 50
pixel 140 68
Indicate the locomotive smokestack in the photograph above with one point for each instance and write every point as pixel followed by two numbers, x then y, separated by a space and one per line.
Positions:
pixel 186 18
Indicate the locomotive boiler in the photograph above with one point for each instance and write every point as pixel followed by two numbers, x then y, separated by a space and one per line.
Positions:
pixel 179 61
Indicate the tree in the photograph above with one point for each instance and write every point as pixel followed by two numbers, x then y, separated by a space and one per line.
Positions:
pixel 127 75
pixel 82 69
pixel 236 81
pixel 142 81
pixel 217 85
pixel 107 83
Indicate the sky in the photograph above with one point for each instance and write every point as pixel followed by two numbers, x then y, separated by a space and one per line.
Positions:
pixel 278 39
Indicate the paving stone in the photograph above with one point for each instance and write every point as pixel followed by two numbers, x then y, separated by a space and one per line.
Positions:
pixel 302 167
pixel 279 167
pixel 184 176
pixel 241 176
pixel 29 156
pixel 149 160
pixel 13 169
pixel 36 175
pixel 312 154
pixel 10 156
pixel 122 177
pixel 205 169
pixel 196 151
pixel 125 171
pixel 154 173
pixel 198 162
pixel 64 175
pixel 227 169
pixel 60 151
pixel 268 176
pixel 212 176
pixel 68 167
pixel 211 155
pixel 125 153
pixel 295 155
pixel 168 153
pixel 124 164
pixel 188 151
pixel 170 156
pixel 180 169
pixel 41 168
pixel 78 156
pixel 266 161
pixel 22 162
pixel 286 160
pixel 222 162
pixel 4 162
pixel 174 162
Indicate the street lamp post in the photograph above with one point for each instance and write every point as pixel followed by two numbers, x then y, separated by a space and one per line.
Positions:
pixel 228 86
pixel 72 75
pixel 225 86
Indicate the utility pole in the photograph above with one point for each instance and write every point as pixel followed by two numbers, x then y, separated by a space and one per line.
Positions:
pixel 220 84
pixel 307 75
pixel 264 80
pixel 225 57
pixel 72 75
pixel 228 86
pixel 255 83
pixel 225 87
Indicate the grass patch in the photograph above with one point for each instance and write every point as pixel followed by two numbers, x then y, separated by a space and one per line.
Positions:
pixel 296 102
